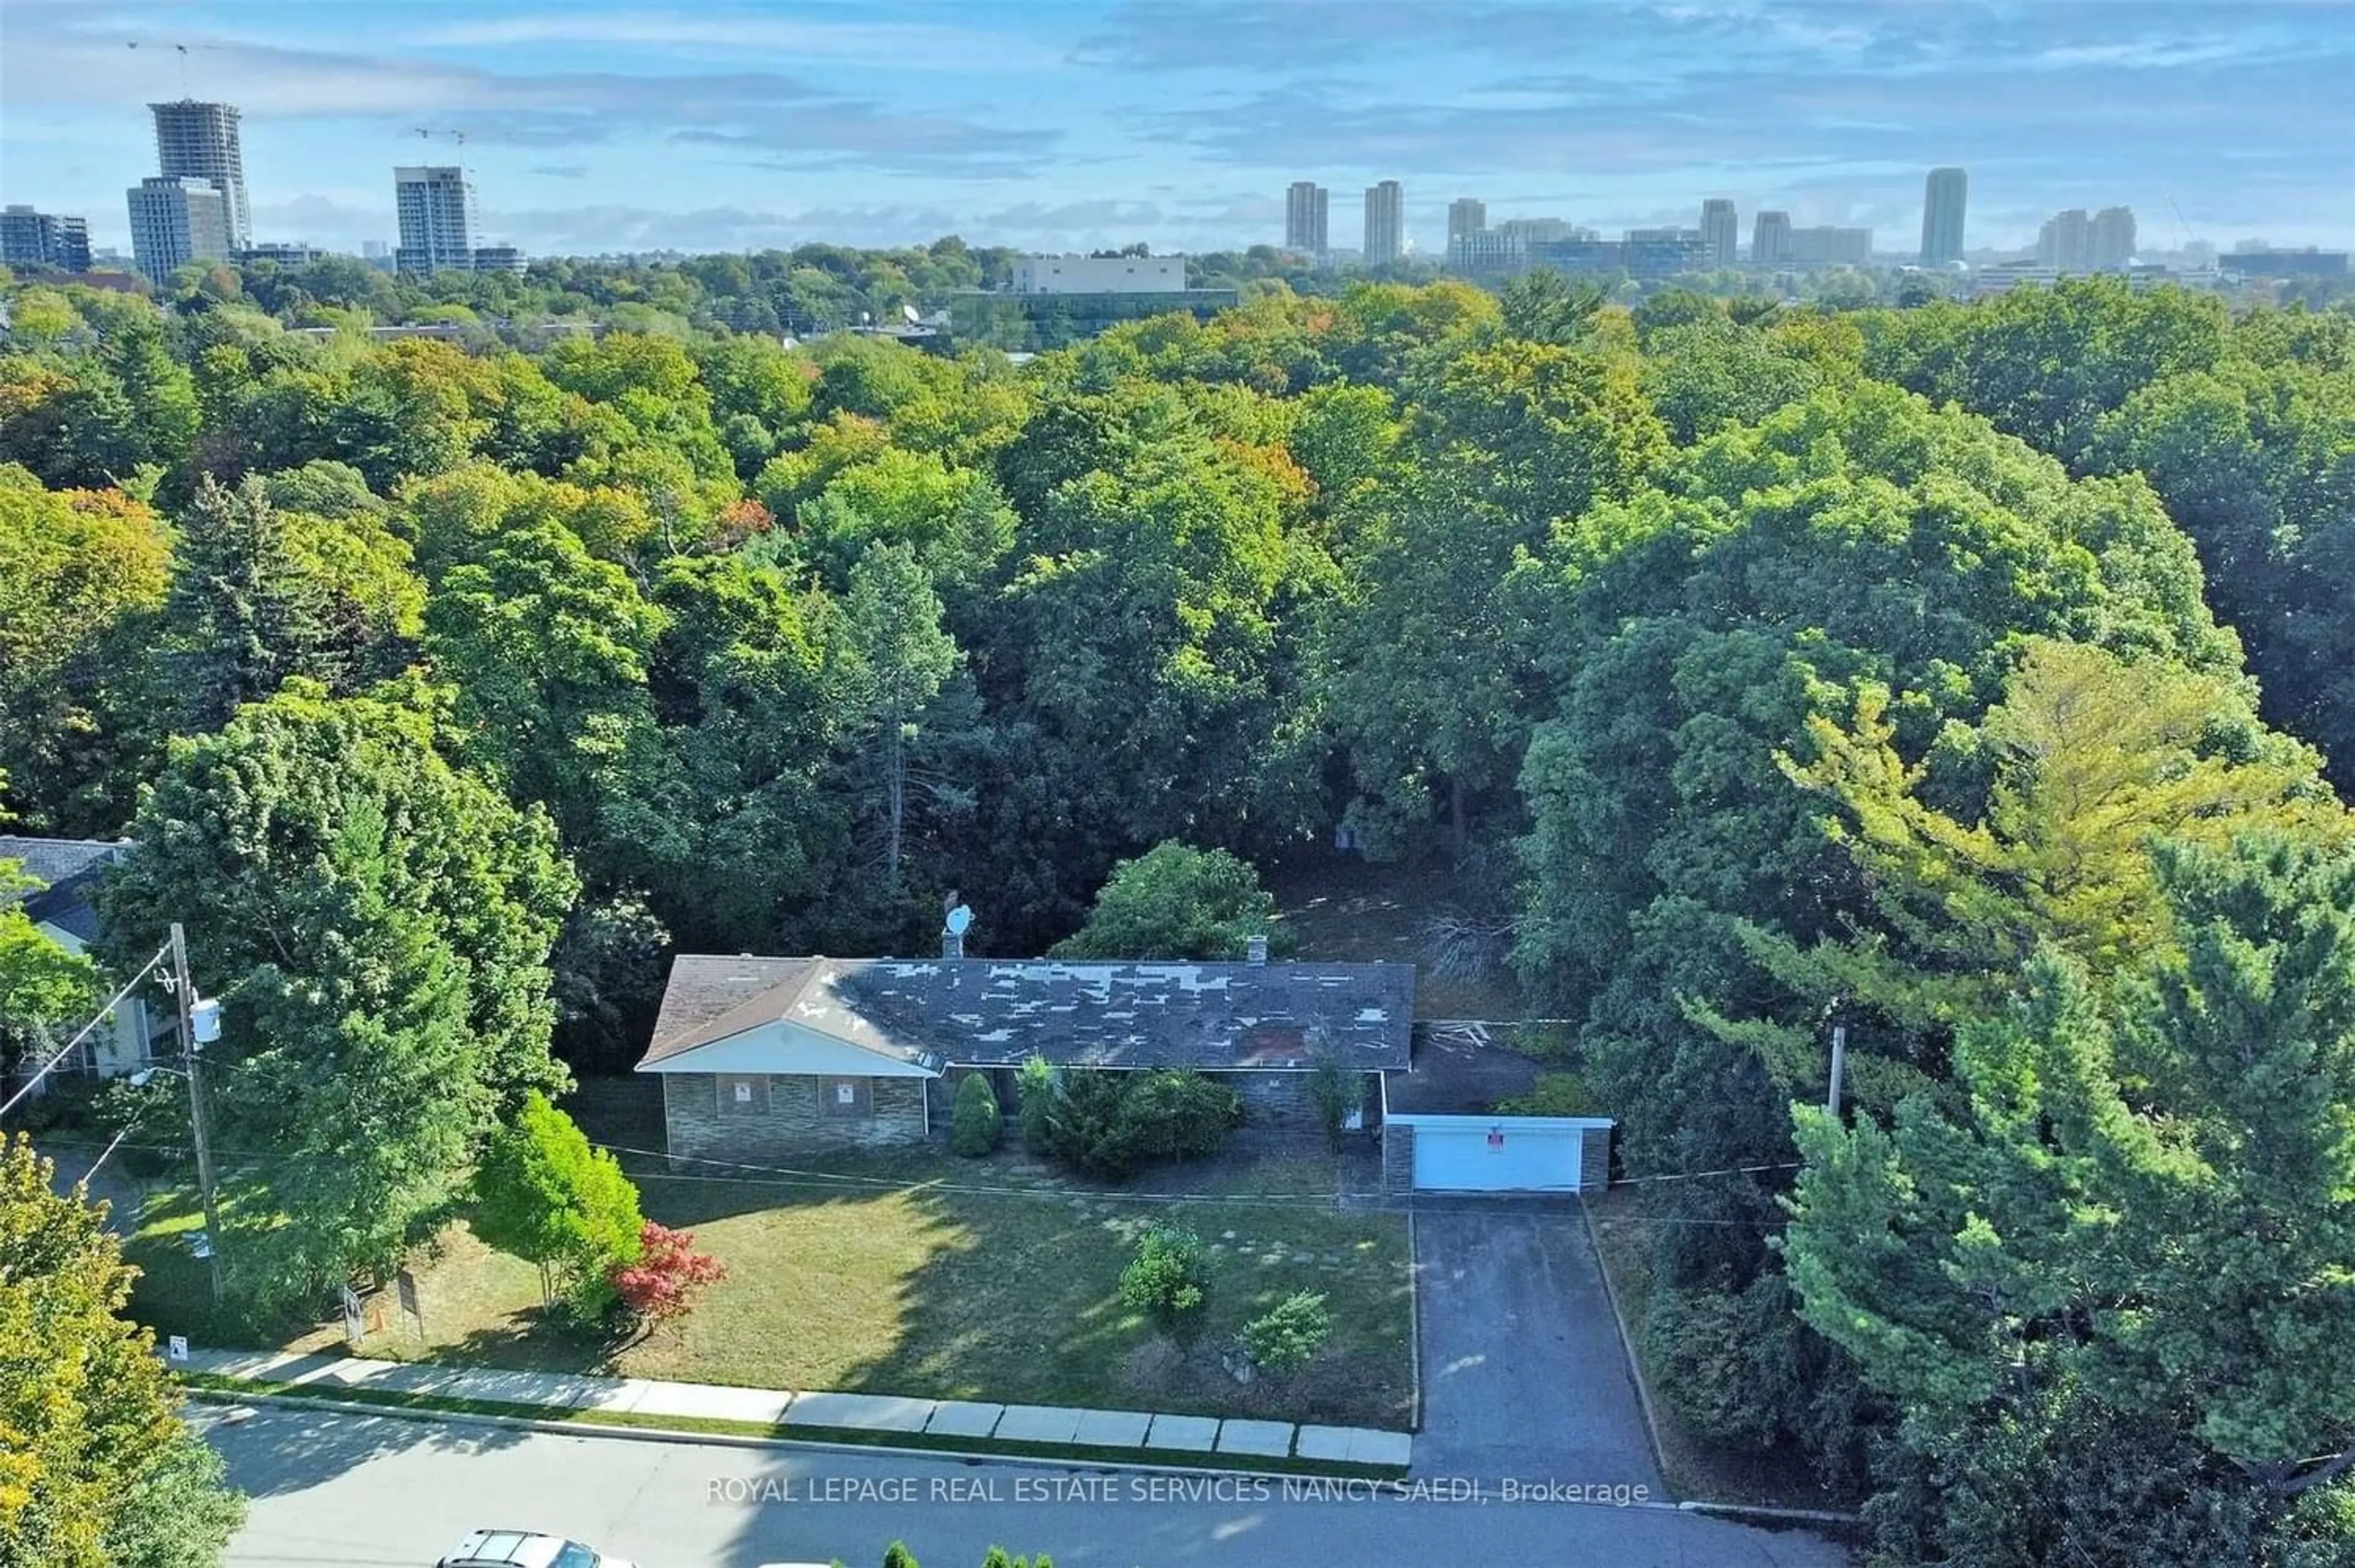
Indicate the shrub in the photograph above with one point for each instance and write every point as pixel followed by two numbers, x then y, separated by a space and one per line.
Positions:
pixel 1169 1278
pixel 668 1277
pixel 1288 1335
pixel 1180 1115
pixel 1337 1091
pixel 1111 1124
pixel 1042 1096
pixel 1723 1360
pixel 975 1125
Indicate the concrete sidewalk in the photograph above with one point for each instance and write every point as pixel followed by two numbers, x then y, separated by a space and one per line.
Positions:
pixel 982 1424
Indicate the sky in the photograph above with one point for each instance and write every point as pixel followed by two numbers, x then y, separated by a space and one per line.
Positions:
pixel 595 126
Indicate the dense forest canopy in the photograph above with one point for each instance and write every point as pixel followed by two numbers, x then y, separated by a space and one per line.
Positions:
pixel 1976 674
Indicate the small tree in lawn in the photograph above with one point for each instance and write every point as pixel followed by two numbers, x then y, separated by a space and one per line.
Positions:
pixel 542 1193
pixel 1168 1279
pixel 977 1122
pixel 668 1278
pixel 1287 1336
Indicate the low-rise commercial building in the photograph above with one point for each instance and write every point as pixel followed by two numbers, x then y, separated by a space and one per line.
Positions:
pixel 1099 275
pixel 30 238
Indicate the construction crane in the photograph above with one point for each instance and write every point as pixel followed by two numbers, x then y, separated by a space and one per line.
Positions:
pixel 181 49
pixel 2182 227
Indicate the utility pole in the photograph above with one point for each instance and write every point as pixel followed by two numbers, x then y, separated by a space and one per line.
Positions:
pixel 1840 1065
pixel 183 991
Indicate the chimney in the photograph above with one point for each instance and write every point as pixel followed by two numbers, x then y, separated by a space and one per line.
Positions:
pixel 952 944
pixel 1255 950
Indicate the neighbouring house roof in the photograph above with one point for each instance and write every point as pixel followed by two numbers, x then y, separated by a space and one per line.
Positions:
pixel 924 1014
pixel 72 867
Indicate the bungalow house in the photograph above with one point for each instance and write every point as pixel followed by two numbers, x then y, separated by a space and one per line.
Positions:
pixel 765 1059
pixel 64 909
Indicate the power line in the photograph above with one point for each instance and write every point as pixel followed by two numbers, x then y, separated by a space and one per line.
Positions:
pixel 104 1013
pixel 799 1180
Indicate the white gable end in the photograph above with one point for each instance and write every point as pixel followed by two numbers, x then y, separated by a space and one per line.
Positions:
pixel 783 1047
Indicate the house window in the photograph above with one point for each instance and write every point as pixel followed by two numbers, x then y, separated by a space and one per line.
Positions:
pixel 845 1097
pixel 743 1093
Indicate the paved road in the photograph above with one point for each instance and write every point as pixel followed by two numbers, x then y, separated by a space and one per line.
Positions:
pixel 342 1491
pixel 1522 1369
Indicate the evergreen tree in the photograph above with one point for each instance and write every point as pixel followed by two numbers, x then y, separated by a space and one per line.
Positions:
pixel 895 659
pixel 241 615
pixel 2132 1215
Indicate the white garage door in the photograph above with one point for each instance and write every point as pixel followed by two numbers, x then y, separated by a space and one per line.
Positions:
pixel 1495 1157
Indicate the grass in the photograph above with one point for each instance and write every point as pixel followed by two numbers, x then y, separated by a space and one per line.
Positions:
pixel 930 1288
pixel 1694 1467
pixel 214 1386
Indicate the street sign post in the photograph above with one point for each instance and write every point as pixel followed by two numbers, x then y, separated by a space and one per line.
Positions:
pixel 407 1283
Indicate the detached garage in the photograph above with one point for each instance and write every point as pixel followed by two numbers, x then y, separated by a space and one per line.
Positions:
pixel 1425 1153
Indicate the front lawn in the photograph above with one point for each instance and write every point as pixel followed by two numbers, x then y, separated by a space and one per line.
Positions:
pixel 947 1278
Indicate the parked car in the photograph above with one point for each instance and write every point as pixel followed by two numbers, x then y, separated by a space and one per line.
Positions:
pixel 524 1549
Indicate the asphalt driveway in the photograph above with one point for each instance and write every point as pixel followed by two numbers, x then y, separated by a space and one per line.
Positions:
pixel 1523 1374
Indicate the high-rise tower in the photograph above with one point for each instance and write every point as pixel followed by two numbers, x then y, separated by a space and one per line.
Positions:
pixel 1385 223
pixel 1944 195
pixel 200 141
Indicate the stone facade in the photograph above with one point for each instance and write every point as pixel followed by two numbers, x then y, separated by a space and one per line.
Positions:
pixel 1595 1159
pixel 1398 1157
pixel 757 1117
pixel 763 1116
pixel 1271 1100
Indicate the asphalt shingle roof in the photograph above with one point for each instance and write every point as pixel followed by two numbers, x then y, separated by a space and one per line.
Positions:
pixel 1001 1011
pixel 72 867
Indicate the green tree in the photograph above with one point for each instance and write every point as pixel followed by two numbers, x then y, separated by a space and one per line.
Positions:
pixel 894 660
pixel 1176 901
pixel 96 1470
pixel 378 925
pixel 542 1193
pixel 87 569
pixel 243 616
pixel 548 649
pixel 742 694
pixel 2140 1208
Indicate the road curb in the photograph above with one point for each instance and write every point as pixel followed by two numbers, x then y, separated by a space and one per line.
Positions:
pixel 1413 1325
pixel 1627 1348
pixel 1763 1515
pixel 260 1395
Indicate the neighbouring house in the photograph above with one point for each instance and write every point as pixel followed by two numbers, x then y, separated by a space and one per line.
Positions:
pixel 64 909
pixel 763 1058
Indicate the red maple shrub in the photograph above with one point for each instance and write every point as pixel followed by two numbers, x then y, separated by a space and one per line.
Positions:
pixel 668 1277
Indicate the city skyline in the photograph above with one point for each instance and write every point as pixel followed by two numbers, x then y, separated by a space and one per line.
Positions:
pixel 605 127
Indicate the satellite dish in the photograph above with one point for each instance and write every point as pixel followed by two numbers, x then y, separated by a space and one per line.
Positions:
pixel 910 311
pixel 960 920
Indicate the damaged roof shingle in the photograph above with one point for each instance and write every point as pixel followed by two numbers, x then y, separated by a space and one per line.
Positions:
pixel 1000 1012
